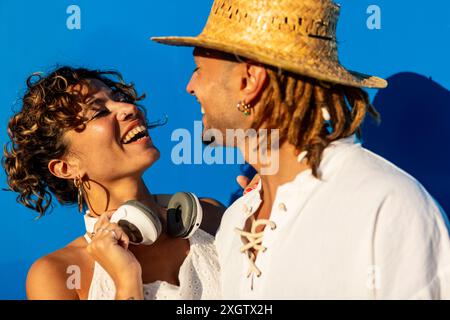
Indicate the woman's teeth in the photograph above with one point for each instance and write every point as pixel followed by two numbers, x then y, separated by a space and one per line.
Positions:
pixel 203 111
pixel 130 135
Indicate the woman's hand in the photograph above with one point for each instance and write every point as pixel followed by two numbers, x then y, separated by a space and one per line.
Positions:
pixel 248 185
pixel 109 247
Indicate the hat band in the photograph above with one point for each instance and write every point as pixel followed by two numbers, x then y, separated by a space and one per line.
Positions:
pixel 320 28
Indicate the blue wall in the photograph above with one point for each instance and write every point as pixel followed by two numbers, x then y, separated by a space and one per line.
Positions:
pixel 413 38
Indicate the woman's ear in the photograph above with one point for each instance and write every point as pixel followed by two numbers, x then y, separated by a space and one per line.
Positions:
pixel 62 169
pixel 253 82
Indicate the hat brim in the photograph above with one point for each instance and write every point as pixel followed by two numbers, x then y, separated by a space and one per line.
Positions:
pixel 326 71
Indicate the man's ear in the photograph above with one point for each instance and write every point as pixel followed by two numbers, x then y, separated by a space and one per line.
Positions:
pixel 62 169
pixel 253 82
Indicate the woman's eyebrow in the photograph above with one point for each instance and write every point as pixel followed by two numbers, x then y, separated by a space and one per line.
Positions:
pixel 96 100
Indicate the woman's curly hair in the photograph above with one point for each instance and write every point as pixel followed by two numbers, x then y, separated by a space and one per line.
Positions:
pixel 50 108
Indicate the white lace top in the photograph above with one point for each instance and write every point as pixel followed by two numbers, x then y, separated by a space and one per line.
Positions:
pixel 199 274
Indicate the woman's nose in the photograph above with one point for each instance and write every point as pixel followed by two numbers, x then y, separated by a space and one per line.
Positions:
pixel 127 112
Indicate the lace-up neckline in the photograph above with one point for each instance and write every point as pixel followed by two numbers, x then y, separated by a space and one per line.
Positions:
pixel 253 243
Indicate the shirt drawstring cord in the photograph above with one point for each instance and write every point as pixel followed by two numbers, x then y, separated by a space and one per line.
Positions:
pixel 252 241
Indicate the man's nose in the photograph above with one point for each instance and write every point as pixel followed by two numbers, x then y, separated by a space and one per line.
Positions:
pixel 190 87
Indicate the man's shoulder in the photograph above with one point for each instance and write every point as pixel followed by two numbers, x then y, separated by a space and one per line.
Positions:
pixel 398 191
pixel 372 173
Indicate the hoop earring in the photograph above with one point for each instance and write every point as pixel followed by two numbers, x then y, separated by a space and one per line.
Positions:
pixel 79 185
pixel 244 107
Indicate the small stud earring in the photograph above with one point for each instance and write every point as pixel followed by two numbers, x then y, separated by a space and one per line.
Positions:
pixel 244 107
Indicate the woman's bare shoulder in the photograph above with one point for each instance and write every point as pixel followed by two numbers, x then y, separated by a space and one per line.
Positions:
pixel 51 276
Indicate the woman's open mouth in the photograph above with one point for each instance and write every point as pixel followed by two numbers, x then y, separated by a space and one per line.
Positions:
pixel 137 135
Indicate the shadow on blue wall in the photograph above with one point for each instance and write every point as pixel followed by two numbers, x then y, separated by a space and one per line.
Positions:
pixel 414 133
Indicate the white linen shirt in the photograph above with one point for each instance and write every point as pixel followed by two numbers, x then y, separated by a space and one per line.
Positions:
pixel 366 230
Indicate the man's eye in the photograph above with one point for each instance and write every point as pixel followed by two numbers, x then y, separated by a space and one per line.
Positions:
pixel 195 70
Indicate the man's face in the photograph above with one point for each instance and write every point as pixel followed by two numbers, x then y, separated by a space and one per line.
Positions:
pixel 216 83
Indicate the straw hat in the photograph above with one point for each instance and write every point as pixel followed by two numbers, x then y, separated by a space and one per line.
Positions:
pixel 294 35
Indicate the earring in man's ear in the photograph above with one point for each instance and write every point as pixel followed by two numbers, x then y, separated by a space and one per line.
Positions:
pixel 79 185
pixel 244 107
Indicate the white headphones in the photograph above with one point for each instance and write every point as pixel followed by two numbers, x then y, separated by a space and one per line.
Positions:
pixel 143 226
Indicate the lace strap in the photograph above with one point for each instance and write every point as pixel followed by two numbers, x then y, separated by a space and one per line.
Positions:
pixel 87 237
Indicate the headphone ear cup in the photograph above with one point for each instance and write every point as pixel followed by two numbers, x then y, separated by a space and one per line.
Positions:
pixel 184 215
pixel 139 222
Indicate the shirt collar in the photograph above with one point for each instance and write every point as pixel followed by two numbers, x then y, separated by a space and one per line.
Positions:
pixel 89 222
pixel 252 200
pixel 332 157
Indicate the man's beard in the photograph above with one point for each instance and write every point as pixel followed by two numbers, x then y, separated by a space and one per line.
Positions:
pixel 215 133
pixel 208 141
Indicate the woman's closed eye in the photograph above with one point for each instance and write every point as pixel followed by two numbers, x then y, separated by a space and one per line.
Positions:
pixel 101 113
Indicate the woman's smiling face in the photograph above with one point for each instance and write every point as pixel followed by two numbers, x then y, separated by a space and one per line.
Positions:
pixel 114 143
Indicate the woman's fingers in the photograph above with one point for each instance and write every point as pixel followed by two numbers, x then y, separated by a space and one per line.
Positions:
pixel 103 220
pixel 109 247
pixel 255 181
pixel 242 181
pixel 120 236
pixel 248 185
